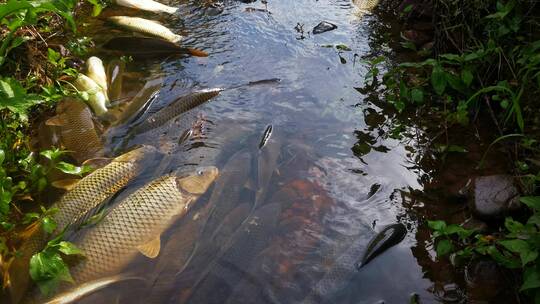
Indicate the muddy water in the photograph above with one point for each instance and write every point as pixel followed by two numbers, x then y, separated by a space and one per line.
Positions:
pixel 285 223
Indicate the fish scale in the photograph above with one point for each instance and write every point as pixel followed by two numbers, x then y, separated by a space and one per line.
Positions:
pixel 146 213
pixel 93 190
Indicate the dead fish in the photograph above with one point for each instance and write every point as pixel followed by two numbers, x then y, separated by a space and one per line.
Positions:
pixel 175 108
pixel 148 5
pixel 324 26
pixel 388 237
pixel 366 5
pixel 96 99
pixel 75 206
pixel 140 102
pixel 146 26
pixel 77 129
pixel 115 76
pixel 88 288
pixel 266 166
pixel 93 189
pixel 137 222
pixel 266 135
pixel 96 71
pixel 146 47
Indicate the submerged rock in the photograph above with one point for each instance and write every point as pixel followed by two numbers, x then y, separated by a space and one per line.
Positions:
pixel 494 196
pixel 324 26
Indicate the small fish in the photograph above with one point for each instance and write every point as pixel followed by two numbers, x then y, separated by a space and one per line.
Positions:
pixel 88 288
pixel 115 76
pixel 146 26
pixel 175 108
pixel 324 26
pixel 266 135
pixel 96 99
pixel 77 129
pixel 148 5
pixel 96 71
pixel 147 47
pixel 388 237
pixel 140 102
pixel 137 222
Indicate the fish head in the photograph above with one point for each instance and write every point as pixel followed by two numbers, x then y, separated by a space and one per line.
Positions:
pixel 137 154
pixel 198 182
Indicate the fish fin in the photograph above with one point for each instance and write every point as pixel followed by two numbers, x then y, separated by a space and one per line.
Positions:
pixel 151 249
pixel 30 230
pixel 250 185
pixel 97 162
pixel 57 120
pixel 197 53
pixel 66 184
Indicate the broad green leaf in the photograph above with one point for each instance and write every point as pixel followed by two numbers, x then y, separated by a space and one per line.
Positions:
pixel 437 225
pixel 458 149
pixel 444 247
pixel 527 257
pixel 2 156
pixel 501 258
pixel 512 225
pixel 68 248
pixel 532 202
pixel 467 77
pixel 516 246
pixel 438 79
pixel 49 224
pixel 52 155
pixel 72 169
pixel 48 269
pixel 417 95
pixel 12 6
pixel 531 279
pixel 15 98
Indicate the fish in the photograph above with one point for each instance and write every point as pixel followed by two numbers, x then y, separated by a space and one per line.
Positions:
pixel 227 191
pixel 96 99
pixel 266 165
pixel 115 77
pixel 88 288
pixel 96 71
pixel 388 237
pixel 148 47
pixel 266 135
pixel 140 102
pixel 77 205
pixel 77 129
pixel 145 26
pixel 366 5
pixel 175 108
pixel 137 222
pixel 148 5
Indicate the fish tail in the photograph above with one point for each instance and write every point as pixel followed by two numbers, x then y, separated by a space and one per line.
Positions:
pixel 197 53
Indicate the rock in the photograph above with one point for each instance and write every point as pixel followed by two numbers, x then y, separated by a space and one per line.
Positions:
pixel 475 224
pixel 485 280
pixel 215 9
pixel 324 26
pixel 494 196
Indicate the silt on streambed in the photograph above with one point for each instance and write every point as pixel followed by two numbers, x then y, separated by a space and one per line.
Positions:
pixel 287 221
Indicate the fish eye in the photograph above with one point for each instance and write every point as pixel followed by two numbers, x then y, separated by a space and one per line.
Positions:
pixel 200 172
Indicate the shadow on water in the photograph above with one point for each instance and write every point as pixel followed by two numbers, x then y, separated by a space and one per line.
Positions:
pixel 285 223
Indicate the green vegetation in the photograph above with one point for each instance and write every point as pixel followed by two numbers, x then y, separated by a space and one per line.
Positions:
pixel 483 56
pixel 27 89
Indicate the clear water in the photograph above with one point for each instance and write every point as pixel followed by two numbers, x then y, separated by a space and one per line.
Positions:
pixel 297 239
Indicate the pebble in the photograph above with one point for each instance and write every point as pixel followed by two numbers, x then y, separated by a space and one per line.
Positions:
pixel 324 26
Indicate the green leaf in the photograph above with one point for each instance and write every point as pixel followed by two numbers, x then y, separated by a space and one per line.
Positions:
pixel 531 279
pixel 467 77
pixel 343 47
pixel 13 6
pixel 68 248
pixel 52 155
pixel 513 226
pixel 437 225
pixel 72 169
pixel 49 224
pixel 417 95
pixel 458 149
pixel 48 270
pixel 438 79
pixel 15 98
pixel 532 202
pixel 516 246
pixel 444 247
pixel 2 156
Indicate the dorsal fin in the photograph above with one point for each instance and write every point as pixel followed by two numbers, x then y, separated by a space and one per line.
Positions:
pixel 57 120
pixel 66 184
pixel 152 248
pixel 97 162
